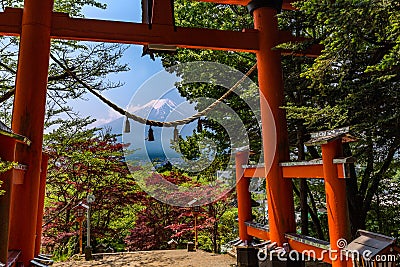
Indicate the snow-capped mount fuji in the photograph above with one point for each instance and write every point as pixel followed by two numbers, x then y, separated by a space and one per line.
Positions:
pixel 156 109
pixel 163 109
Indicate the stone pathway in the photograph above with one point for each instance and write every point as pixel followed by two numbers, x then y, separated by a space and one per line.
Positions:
pixel 157 258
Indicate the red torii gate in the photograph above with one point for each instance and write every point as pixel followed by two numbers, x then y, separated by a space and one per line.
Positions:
pixel 37 24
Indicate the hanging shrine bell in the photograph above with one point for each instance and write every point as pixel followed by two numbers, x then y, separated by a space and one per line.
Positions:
pixel 176 134
pixel 150 137
pixel 127 126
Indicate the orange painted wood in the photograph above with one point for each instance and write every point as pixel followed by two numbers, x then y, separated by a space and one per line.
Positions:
pixel 340 171
pixel 302 171
pixel 336 200
pixel 306 171
pixel 39 24
pixel 18 176
pixel 243 196
pixel 137 33
pixel 311 171
pixel 264 235
pixel 256 172
pixel 64 27
pixel 163 12
pixel 7 145
pixel 279 191
pixel 10 21
pixel 28 120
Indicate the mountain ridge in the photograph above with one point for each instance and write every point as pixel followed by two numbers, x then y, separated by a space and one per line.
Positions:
pixel 163 109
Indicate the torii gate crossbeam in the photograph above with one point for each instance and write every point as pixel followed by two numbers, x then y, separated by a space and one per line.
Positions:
pixel 64 27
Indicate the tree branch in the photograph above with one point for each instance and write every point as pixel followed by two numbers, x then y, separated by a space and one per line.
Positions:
pixel 370 166
pixel 7 95
pixel 313 213
pixel 7 68
pixel 11 92
pixel 378 177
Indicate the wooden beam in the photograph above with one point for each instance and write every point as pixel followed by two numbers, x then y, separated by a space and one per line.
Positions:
pixel 28 120
pixel 64 27
pixel 259 233
pixel 304 169
pixel 336 201
pixel 254 171
pixel 243 195
pixel 10 22
pixel 312 171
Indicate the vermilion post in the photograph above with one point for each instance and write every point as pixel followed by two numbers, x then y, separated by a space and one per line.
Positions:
pixel 336 201
pixel 7 145
pixel 80 236
pixel 42 192
pixel 28 120
pixel 279 190
pixel 243 196
pixel 195 231
pixel 163 12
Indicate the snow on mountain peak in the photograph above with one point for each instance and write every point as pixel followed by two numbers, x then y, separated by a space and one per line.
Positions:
pixel 155 104
pixel 159 103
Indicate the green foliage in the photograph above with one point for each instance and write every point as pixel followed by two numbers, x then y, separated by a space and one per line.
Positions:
pixel 196 149
pixel 205 242
pixel 4 166
pixel 228 226
pixel 91 62
pixel 363 31
pixel 330 117
pixel 84 161
pixel 212 16
pixel 74 8
pixel 209 15
pixel 354 82
pixel 227 230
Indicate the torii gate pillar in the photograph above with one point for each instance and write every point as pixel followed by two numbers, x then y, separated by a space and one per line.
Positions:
pixel 279 190
pixel 28 120
pixel 336 203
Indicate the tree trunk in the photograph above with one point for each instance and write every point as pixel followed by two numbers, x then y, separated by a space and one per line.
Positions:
pixel 312 210
pixel 303 182
pixel 360 199
pixel 215 237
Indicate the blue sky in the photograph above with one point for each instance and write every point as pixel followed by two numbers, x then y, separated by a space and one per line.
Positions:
pixel 142 68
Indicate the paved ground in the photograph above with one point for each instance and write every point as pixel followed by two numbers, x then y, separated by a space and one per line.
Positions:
pixel 158 258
